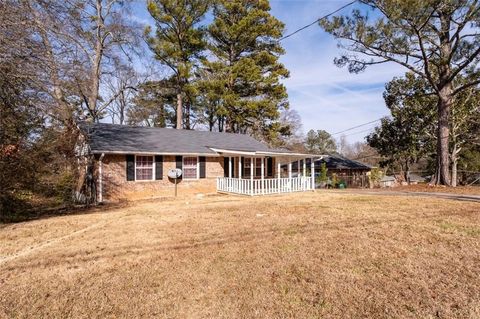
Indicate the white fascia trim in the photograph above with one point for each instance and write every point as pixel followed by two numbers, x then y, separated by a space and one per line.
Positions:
pixel 292 154
pixel 158 153
pixel 264 153
pixel 233 152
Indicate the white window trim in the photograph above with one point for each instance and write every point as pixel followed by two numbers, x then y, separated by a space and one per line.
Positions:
pixel 198 168
pixel 153 169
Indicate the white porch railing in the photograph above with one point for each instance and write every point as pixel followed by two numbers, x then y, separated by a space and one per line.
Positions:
pixel 263 187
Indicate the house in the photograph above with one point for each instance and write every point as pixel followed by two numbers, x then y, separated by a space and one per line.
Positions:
pixel 352 173
pixel 133 162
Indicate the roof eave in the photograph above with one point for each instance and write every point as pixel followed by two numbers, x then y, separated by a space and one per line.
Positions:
pixel 155 153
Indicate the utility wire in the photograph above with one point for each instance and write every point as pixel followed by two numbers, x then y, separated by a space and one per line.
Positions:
pixel 355 133
pixel 316 21
pixel 352 128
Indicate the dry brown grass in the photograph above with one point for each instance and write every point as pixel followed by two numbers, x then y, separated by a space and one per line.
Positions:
pixel 461 190
pixel 303 255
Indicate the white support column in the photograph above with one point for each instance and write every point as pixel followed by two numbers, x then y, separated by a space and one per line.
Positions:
pixel 279 169
pixel 100 178
pixel 239 167
pixel 289 169
pixel 251 175
pixel 298 168
pixel 304 167
pixel 312 168
pixel 230 167
pixel 263 175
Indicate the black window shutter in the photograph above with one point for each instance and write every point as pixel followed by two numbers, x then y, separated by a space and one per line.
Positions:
pixel 130 159
pixel 158 167
pixel 270 166
pixel 202 167
pixel 179 163
pixel 225 167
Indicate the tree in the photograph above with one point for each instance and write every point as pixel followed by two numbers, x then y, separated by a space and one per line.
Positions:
pixel 320 142
pixel 154 104
pixel 243 43
pixel 437 40
pixel 464 121
pixel 290 132
pixel 179 43
pixel 405 137
pixel 82 51
pixel 123 84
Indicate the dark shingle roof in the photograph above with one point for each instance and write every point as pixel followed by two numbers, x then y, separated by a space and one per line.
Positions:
pixel 339 162
pixel 130 139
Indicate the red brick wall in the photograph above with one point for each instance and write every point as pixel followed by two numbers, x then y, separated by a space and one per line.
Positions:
pixel 116 186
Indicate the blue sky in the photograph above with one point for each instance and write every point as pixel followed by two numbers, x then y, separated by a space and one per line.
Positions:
pixel 325 96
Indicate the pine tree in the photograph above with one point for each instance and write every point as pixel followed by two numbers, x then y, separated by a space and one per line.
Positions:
pixel 244 43
pixel 179 44
pixel 438 40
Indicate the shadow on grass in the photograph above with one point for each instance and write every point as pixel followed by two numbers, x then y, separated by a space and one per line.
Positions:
pixel 29 213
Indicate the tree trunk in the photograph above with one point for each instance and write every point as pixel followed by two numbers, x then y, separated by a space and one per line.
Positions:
pixel 179 111
pixel 97 61
pixel 443 162
pixel 187 115
pixel 407 172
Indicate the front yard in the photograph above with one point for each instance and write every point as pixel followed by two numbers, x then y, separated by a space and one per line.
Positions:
pixel 303 255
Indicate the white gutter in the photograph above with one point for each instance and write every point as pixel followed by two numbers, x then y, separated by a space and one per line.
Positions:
pixel 100 179
pixel 155 153
pixel 267 153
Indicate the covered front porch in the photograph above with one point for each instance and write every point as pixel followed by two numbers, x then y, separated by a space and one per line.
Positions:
pixel 263 173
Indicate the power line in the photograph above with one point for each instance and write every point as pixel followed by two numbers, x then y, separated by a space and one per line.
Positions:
pixel 367 130
pixel 316 21
pixel 352 128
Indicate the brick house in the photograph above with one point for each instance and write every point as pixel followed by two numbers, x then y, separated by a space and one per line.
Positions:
pixel 134 162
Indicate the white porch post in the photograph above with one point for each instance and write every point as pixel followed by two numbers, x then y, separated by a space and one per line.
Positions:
pixel 312 168
pixel 239 167
pixel 100 179
pixel 304 167
pixel 230 167
pixel 251 175
pixel 263 175
pixel 279 167
pixel 289 169
pixel 298 168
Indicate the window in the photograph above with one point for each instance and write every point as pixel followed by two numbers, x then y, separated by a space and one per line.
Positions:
pixel 144 168
pixel 190 167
